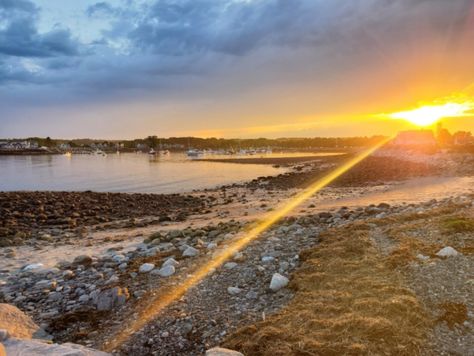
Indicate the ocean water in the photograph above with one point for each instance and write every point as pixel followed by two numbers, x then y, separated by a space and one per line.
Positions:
pixel 125 172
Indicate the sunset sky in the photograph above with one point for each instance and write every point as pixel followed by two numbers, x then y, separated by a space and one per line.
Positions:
pixel 229 68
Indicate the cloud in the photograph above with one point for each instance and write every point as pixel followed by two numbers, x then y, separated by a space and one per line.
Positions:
pixel 101 9
pixel 19 36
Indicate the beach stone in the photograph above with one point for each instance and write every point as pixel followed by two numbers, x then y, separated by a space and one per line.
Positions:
pixel 230 265
pixel 16 323
pixel 447 252
pixel 45 284
pixel 84 260
pixel 33 266
pixel 146 267
pixel 268 259
pixel 37 348
pixel 219 351
pixel 190 252
pixel 4 335
pixel 234 290
pixel 278 282
pixel 170 262
pixel 167 271
pixel 110 298
pixel 211 246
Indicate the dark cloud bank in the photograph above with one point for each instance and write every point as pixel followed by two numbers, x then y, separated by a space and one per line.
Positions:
pixel 170 44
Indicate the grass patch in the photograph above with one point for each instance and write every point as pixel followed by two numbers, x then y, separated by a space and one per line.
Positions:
pixel 348 302
pixel 458 224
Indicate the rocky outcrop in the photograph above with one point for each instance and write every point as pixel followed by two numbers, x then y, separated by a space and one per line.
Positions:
pixel 16 323
pixel 19 347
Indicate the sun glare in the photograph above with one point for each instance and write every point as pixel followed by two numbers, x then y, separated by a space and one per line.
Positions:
pixel 430 114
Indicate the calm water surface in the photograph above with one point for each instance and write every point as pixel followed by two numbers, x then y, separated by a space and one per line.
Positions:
pixel 126 172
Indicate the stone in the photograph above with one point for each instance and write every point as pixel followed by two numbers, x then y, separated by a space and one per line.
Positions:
pixel 190 252
pixel 68 274
pixel 33 266
pixel 234 290
pixel 447 252
pixel 230 265
pixel 45 284
pixel 110 298
pixel 83 260
pixel 4 335
pixel 278 282
pixel 167 271
pixel 422 257
pixel 119 259
pixel 211 246
pixel 16 323
pixel 170 262
pixel 146 267
pixel 37 348
pixel 219 351
pixel 268 259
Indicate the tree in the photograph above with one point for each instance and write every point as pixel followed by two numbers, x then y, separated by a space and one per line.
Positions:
pixel 152 141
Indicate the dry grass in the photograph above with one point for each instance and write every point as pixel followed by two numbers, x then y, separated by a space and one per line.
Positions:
pixel 453 313
pixel 348 302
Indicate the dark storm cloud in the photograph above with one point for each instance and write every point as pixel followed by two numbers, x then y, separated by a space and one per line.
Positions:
pixel 155 45
pixel 19 35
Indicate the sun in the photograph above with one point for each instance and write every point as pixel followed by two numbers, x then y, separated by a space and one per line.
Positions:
pixel 430 114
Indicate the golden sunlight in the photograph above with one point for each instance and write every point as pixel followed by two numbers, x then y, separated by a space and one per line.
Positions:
pixel 430 114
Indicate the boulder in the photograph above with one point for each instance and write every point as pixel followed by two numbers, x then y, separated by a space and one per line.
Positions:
pixel 170 262
pixel 219 351
pixel 37 348
pixel 16 323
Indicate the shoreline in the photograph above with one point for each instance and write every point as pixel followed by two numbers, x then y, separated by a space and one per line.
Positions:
pixel 282 161
pixel 116 234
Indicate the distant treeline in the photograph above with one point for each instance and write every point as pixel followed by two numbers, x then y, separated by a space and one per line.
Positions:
pixel 217 143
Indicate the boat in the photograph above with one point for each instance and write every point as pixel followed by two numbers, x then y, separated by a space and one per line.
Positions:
pixel 194 153
pixel 164 152
pixel 152 152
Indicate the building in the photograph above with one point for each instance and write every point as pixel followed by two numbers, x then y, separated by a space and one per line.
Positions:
pixel 412 138
pixel 463 138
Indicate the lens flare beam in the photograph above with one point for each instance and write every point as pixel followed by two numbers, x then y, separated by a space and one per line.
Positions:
pixel 156 306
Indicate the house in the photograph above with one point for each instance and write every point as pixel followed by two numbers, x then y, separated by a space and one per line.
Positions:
pixel 415 138
pixel 463 138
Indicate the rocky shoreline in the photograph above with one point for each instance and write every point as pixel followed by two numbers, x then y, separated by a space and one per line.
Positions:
pixel 28 215
pixel 92 297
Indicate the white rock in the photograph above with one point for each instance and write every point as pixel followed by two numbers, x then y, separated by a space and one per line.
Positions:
pixel 119 258
pixel 37 348
pixel 278 282
pixel 33 266
pixel 167 271
pixel 170 262
pixel 190 252
pixel 146 267
pixel 211 245
pixel 268 259
pixel 234 290
pixel 447 252
pixel 230 265
pixel 218 351
pixel 422 257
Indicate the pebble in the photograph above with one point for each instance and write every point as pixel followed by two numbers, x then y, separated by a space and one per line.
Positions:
pixel 170 262
pixel 230 265
pixel 190 252
pixel 278 282
pixel 447 252
pixel 146 267
pixel 234 290
pixel 167 271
